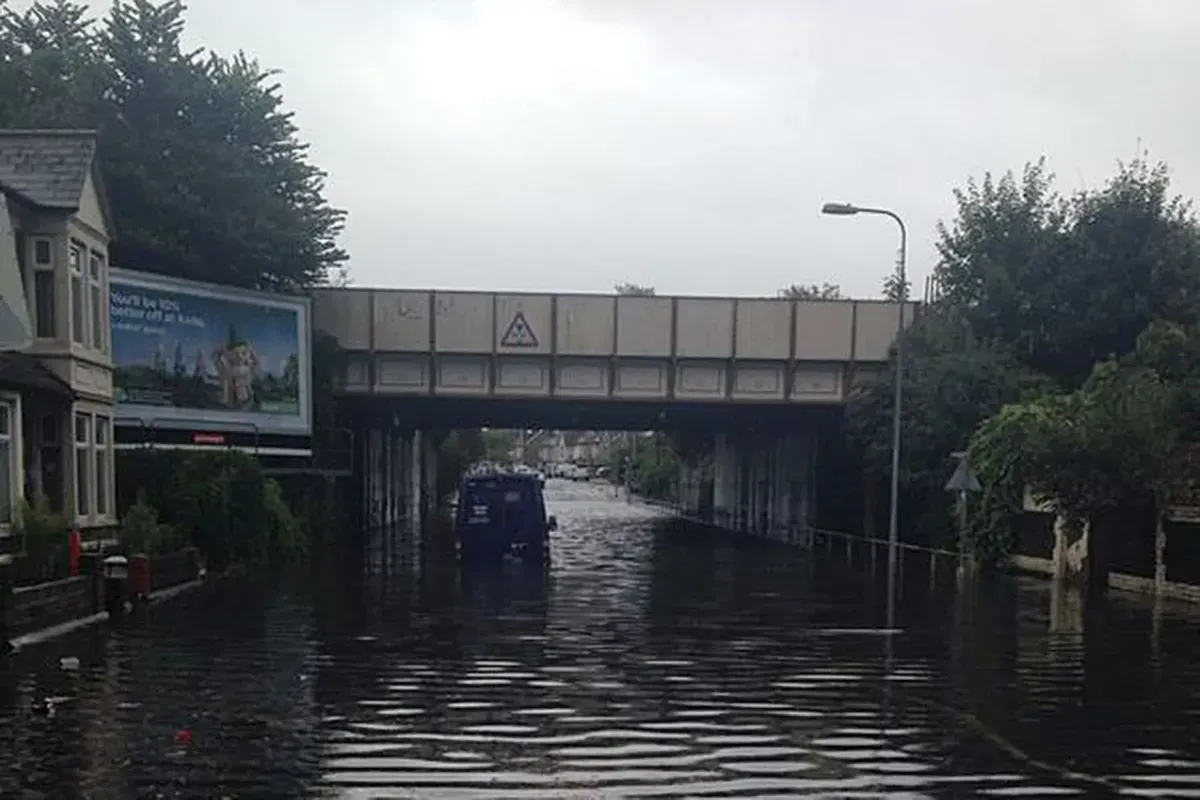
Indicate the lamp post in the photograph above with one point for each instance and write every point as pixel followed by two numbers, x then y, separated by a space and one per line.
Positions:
pixel 848 210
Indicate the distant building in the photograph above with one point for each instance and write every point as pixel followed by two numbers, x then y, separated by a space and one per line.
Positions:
pixel 585 448
pixel 56 389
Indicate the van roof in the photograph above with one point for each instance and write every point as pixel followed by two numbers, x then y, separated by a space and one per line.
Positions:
pixel 505 477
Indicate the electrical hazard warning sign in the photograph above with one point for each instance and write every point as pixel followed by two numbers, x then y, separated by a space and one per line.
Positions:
pixel 519 333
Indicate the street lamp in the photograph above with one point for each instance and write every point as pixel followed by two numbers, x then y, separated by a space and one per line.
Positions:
pixel 849 210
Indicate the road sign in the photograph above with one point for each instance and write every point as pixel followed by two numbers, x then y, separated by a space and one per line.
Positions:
pixel 519 333
pixel 963 479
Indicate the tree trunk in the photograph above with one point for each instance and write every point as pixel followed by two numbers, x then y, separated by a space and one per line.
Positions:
pixel 1160 548
pixel 1099 557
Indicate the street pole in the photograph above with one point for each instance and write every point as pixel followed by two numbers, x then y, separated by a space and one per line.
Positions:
pixel 846 209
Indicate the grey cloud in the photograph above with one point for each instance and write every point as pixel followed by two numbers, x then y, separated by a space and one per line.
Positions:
pixel 697 139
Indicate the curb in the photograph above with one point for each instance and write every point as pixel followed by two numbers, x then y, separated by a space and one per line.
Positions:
pixel 43 635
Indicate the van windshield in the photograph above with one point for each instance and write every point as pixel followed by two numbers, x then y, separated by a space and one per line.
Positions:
pixel 505 504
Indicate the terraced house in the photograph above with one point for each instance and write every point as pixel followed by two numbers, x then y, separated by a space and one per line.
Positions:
pixel 56 392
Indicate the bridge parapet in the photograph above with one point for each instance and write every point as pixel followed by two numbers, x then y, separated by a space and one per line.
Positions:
pixel 606 346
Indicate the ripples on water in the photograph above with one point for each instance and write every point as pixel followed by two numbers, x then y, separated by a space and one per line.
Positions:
pixel 655 661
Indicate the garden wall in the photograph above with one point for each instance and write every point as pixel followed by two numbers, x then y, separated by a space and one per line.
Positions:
pixel 1132 562
pixel 45 605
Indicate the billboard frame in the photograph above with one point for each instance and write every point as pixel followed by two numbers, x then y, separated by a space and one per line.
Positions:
pixel 167 418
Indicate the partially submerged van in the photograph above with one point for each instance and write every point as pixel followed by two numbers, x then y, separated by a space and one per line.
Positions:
pixel 502 514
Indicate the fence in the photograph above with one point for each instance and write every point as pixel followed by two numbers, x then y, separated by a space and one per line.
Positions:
pixel 812 537
pixel 1131 553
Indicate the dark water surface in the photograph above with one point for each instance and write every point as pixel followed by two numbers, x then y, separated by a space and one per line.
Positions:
pixel 655 661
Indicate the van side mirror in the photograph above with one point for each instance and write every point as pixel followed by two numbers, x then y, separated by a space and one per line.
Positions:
pixel 552 523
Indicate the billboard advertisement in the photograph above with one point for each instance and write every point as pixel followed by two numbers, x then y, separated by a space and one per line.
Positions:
pixel 198 356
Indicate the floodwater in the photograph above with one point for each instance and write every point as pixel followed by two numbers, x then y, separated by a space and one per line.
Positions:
pixel 656 660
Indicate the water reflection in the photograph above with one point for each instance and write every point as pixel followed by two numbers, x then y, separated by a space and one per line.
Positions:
pixel 654 660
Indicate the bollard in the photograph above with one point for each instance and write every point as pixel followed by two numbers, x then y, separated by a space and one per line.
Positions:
pixel 116 576
pixel 74 551
pixel 139 577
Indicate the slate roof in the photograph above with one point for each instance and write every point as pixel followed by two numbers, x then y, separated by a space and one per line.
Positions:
pixel 47 168
pixel 23 371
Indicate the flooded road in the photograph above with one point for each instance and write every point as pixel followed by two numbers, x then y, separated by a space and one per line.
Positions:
pixel 656 660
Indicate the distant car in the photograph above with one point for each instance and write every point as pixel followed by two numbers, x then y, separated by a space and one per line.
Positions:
pixel 502 514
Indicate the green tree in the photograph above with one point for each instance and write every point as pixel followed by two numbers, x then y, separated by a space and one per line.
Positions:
pixel 1036 289
pixel 652 463
pixel 894 289
pixel 208 177
pixel 456 453
pixel 952 382
pixel 1107 447
pixel 1066 283
pixel 812 291
pixel 50 73
pixel 1172 350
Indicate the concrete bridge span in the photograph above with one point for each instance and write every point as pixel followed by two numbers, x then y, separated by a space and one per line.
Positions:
pixel 593 347
pixel 762 379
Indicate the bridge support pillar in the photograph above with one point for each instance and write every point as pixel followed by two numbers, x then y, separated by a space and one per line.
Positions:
pixel 382 476
pixel 412 481
pixel 428 479
pixel 724 481
pixel 760 484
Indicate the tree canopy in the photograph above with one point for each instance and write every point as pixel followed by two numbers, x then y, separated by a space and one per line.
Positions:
pixel 204 167
pixel 812 291
pixel 1060 349
pixel 1066 282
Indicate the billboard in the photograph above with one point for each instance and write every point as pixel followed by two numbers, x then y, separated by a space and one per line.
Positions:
pixel 204 357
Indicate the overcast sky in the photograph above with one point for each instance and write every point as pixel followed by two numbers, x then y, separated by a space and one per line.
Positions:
pixel 689 144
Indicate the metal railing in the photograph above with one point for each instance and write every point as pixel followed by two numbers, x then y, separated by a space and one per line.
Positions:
pixel 796 532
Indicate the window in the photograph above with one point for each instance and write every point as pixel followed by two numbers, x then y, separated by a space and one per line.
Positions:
pixel 95 271
pixel 22 260
pixel 43 289
pixel 79 315
pixel 83 464
pixel 103 424
pixel 49 433
pixel 8 467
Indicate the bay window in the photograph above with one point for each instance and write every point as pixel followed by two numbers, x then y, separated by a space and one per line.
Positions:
pixel 8 461
pixel 93 465
pixel 83 464
pixel 79 315
pixel 96 304
pixel 102 439
pixel 43 289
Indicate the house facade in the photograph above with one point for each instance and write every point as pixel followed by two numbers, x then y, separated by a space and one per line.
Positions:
pixel 56 389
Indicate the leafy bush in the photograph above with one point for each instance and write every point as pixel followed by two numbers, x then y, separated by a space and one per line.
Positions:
pixel 288 538
pixel 221 502
pixel 43 536
pixel 143 534
pixel 653 465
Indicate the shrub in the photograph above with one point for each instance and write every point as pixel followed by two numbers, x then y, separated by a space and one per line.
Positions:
pixel 143 534
pixel 221 502
pixel 43 540
pixel 288 538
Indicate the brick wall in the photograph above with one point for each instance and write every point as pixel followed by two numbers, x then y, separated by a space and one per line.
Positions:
pixel 172 570
pixel 53 603
pixel 1129 583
